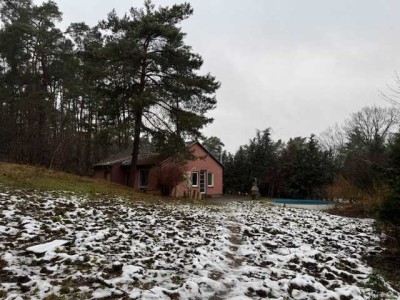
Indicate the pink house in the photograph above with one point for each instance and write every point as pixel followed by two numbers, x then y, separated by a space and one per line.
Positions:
pixel 203 174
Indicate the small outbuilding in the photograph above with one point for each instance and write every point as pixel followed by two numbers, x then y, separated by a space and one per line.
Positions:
pixel 202 173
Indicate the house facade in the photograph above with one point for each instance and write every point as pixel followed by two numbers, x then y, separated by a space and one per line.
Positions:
pixel 203 173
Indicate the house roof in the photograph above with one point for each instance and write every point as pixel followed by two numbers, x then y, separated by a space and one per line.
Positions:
pixel 145 158
pixel 211 155
pixel 190 144
pixel 125 158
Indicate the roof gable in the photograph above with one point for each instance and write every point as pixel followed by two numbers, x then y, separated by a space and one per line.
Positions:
pixel 188 145
pixel 147 158
pixel 208 152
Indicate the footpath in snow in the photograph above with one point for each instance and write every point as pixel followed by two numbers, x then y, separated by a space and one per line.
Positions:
pixel 68 246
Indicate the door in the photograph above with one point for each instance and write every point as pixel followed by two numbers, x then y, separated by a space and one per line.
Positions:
pixel 203 184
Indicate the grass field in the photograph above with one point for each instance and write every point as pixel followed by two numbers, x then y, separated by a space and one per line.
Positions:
pixel 42 179
pixel 68 237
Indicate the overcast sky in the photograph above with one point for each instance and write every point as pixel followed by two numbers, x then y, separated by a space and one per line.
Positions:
pixel 295 66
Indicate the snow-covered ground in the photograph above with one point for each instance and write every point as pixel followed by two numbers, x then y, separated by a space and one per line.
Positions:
pixel 77 248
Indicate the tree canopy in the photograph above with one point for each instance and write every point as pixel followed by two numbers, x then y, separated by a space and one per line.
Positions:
pixel 70 98
pixel 157 73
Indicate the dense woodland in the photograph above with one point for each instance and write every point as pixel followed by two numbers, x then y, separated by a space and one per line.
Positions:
pixel 298 168
pixel 357 161
pixel 70 98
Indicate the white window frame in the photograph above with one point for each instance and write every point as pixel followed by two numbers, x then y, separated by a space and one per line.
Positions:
pixel 203 187
pixel 197 179
pixel 212 177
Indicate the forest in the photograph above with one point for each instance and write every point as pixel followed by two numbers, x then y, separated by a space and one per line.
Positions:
pixel 70 98
pixel 357 161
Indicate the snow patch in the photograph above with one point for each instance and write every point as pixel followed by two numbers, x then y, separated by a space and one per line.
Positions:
pixel 46 247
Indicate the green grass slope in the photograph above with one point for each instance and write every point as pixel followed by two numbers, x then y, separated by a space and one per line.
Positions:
pixel 42 179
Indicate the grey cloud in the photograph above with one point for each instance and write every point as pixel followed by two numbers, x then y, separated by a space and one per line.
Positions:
pixel 295 66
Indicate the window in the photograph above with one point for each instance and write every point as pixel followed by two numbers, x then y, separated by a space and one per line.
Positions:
pixel 210 179
pixel 203 178
pixel 195 178
pixel 144 178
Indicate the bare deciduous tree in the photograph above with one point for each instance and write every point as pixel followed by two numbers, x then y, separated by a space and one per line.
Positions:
pixel 373 123
pixel 393 96
pixel 333 138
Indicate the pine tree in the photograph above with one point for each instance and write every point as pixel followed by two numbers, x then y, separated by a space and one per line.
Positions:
pixel 390 210
pixel 214 145
pixel 157 73
pixel 32 51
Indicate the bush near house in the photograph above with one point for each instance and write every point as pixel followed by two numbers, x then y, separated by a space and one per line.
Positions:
pixel 168 177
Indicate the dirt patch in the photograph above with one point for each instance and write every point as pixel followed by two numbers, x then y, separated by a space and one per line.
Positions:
pixel 387 262
pixel 236 239
pixel 353 210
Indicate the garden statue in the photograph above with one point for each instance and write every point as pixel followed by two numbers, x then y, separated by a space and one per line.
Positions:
pixel 254 190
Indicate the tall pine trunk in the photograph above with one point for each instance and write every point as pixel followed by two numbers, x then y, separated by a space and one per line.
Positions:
pixel 136 146
pixel 138 118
